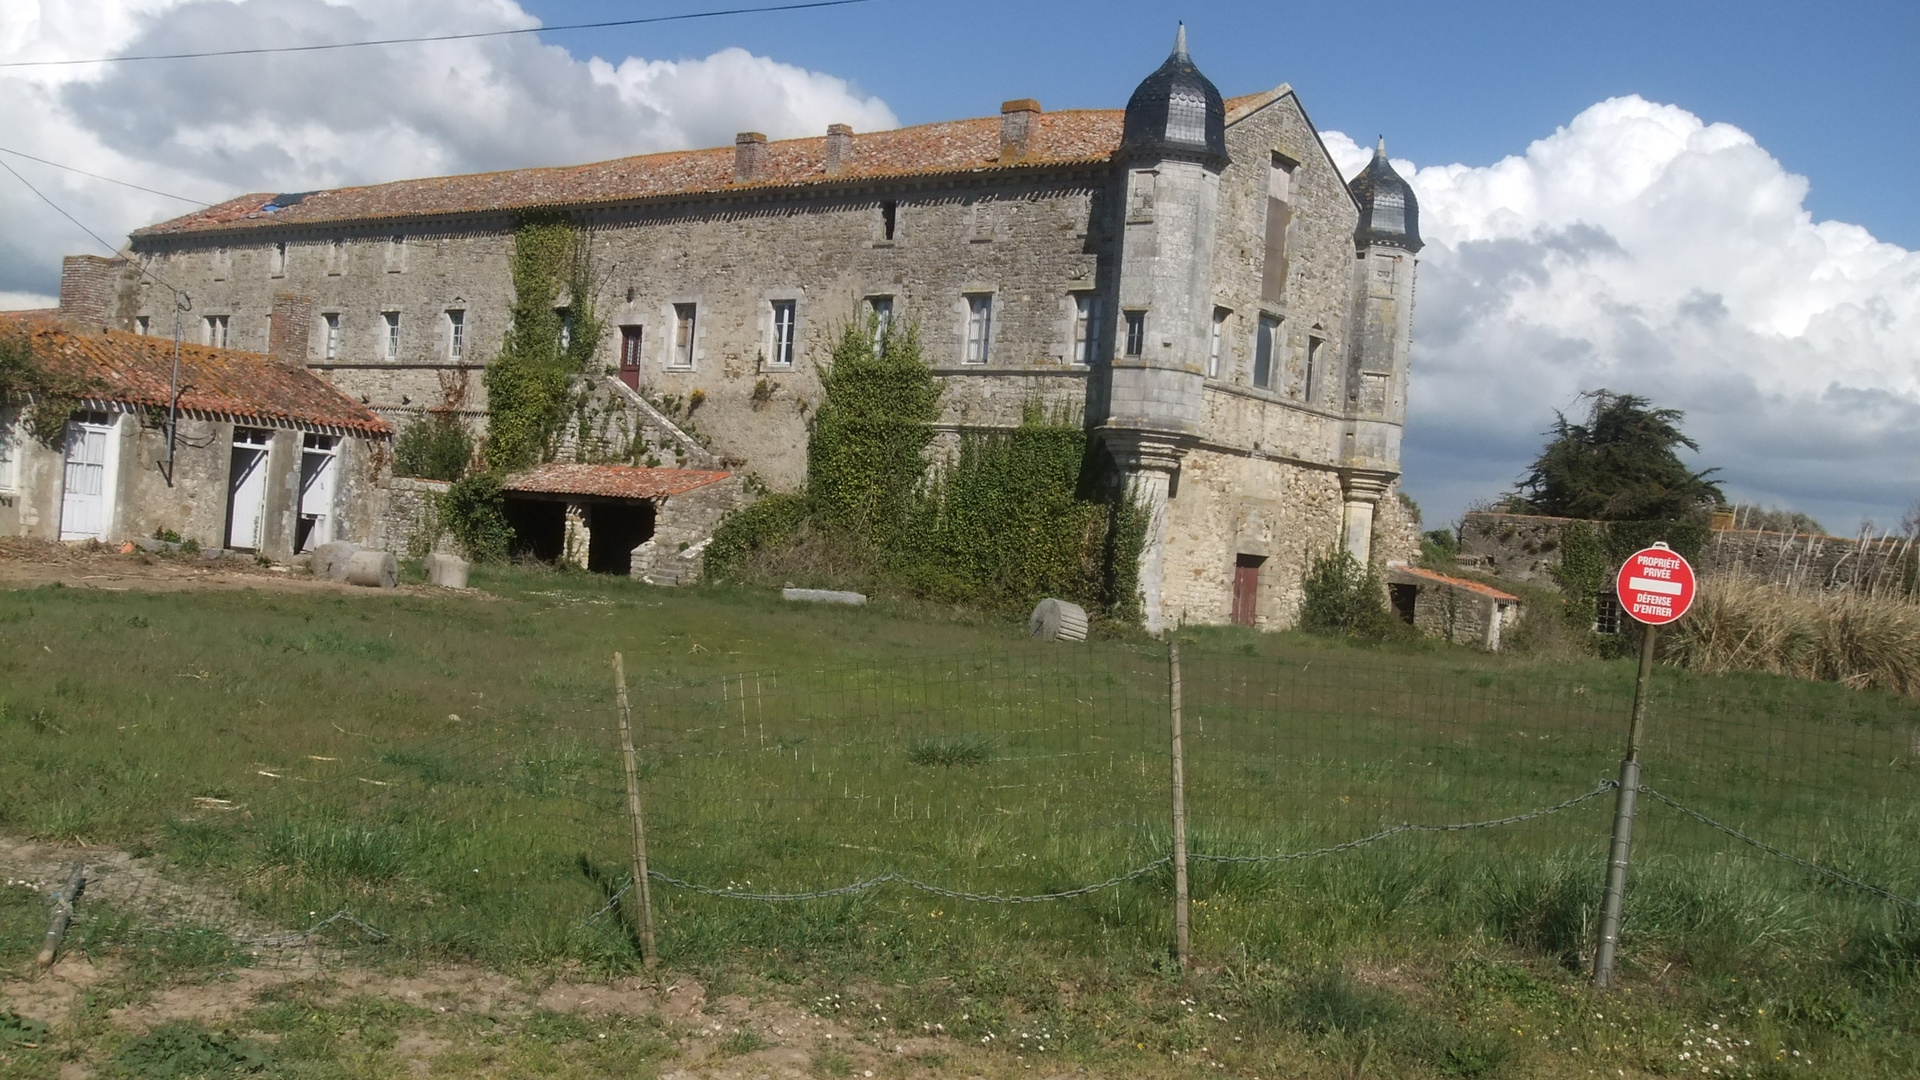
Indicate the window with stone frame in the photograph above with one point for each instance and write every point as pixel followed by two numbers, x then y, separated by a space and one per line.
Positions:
pixel 1266 346
pixel 685 326
pixel 456 334
pixel 1217 343
pixel 142 325
pixel 277 259
pixel 8 454
pixel 216 330
pixel 1273 270
pixel 330 335
pixel 1086 327
pixel 1608 618
pixel 392 321
pixel 979 328
pixel 1136 344
pixel 1313 376
pixel 785 318
pixel 880 310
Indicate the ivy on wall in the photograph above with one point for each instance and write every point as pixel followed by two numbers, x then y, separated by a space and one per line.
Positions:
pixel 1013 516
pixel 435 446
pixel 529 395
pixel 50 399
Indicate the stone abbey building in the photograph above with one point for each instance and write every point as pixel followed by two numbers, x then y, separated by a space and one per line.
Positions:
pixel 1190 274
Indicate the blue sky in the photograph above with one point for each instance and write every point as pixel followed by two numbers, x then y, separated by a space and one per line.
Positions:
pixel 1707 203
pixel 1831 89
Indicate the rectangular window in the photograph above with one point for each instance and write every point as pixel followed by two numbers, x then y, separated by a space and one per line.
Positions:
pixel 1273 271
pixel 7 425
pixel 1314 345
pixel 392 319
pixel 684 329
pixel 566 327
pixel 889 217
pixel 332 344
pixel 456 334
pixel 140 325
pixel 1136 333
pixel 783 320
pixel 881 310
pixel 630 346
pixel 1607 615
pixel 1086 326
pixel 979 327
pixel 217 330
pixel 277 260
pixel 1264 347
pixel 1217 342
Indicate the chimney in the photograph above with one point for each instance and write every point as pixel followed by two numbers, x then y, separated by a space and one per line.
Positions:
pixel 839 147
pixel 1019 124
pixel 749 156
pixel 87 287
pixel 288 328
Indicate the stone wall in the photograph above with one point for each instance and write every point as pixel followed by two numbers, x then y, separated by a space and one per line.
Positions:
pixel 411 527
pixel 682 525
pixel 1526 548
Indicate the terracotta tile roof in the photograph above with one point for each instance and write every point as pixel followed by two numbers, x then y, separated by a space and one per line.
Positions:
pixel 137 370
pixel 609 481
pixel 1076 136
pixel 1458 583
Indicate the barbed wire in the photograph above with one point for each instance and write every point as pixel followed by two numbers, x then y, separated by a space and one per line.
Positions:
pixel 282 941
pixel 1777 853
pixel 1601 789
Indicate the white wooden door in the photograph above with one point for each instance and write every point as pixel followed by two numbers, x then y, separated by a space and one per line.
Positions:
pixel 84 500
pixel 246 489
pixel 317 473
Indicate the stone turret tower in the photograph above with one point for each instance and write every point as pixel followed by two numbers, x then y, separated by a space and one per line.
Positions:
pixel 1172 151
pixel 1385 247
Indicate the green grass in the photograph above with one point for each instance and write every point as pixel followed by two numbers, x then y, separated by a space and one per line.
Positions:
pixel 445 768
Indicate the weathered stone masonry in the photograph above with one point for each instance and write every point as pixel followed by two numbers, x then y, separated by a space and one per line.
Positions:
pixel 1182 213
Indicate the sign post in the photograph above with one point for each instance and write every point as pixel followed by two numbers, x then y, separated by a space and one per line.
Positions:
pixel 1655 586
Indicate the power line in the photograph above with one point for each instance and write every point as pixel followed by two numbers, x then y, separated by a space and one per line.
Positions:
pixel 608 24
pixel 97 176
pixel 79 225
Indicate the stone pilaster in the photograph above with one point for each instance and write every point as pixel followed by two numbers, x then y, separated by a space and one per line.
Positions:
pixel 1361 490
pixel 1149 465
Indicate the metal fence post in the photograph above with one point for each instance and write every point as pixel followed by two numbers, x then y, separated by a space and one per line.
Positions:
pixel 1181 913
pixel 1614 900
pixel 642 889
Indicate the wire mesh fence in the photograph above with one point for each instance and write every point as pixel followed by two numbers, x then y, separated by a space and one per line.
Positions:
pixel 1028 798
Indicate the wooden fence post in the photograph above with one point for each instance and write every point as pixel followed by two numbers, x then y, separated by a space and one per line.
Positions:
pixel 1181 912
pixel 642 890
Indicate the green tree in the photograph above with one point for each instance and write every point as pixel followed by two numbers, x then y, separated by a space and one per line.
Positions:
pixel 867 453
pixel 433 447
pixel 1621 465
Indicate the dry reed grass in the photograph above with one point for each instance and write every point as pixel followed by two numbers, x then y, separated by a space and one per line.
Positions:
pixel 1740 624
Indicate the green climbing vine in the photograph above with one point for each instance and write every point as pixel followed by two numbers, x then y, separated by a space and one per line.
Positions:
pixel 49 397
pixel 1011 516
pixel 529 396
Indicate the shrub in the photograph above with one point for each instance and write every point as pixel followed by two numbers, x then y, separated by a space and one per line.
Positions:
pixel 1739 624
pixel 434 447
pixel 1345 598
pixel 751 530
pixel 866 453
pixel 474 510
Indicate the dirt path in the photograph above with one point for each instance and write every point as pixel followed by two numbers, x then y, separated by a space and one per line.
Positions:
pixel 26 563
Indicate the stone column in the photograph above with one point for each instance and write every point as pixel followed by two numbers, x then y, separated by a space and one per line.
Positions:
pixel 1361 489
pixel 579 537
pixel 1149 463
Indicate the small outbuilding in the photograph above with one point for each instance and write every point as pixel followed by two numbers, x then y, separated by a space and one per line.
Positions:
pixel 236 451
pixel 1462 611
pixel 650 524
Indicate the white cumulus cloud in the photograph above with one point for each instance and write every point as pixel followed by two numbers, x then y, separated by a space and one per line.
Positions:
pixel 1643 250
pixel 211 129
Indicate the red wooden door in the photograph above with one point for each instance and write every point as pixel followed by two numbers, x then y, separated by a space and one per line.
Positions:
pixel 630 356
pixel 1246 588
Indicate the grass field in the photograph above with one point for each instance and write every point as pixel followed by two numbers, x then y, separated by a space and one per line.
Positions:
pixel 444 767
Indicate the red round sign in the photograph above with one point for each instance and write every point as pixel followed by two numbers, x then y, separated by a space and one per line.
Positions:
pixel 1655 585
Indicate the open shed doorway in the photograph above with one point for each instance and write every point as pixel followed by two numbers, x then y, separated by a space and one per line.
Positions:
pixel 614 530
pixel 539 528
